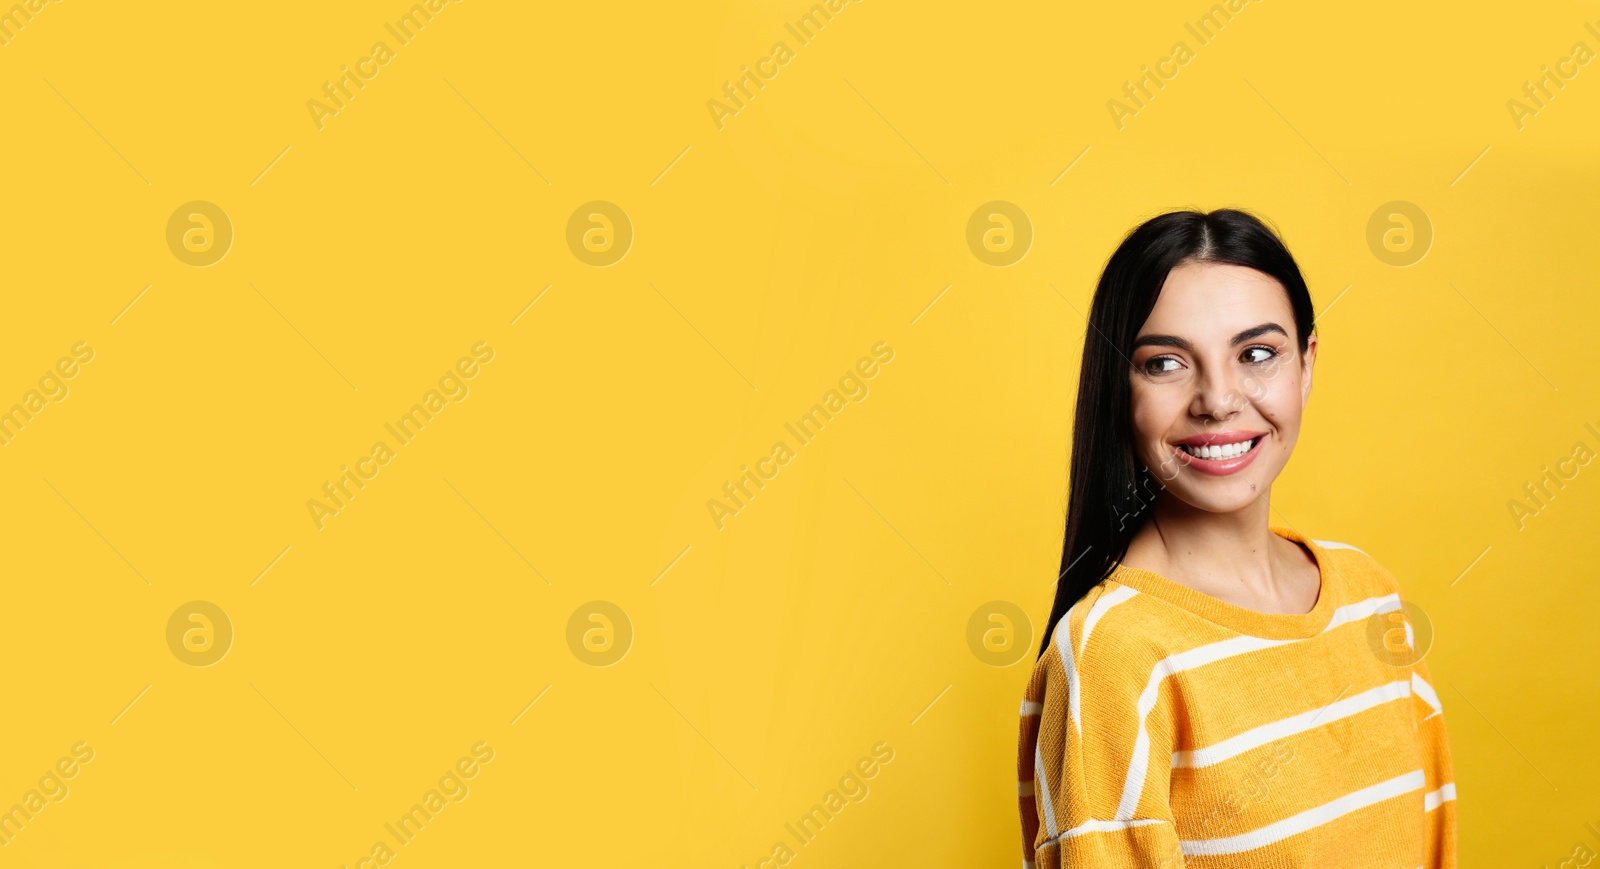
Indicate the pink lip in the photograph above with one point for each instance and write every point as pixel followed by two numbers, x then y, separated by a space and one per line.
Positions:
pixel 1220 467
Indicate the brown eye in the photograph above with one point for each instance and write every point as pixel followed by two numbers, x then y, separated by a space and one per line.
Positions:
pixel 1267 353
pixel 1160 365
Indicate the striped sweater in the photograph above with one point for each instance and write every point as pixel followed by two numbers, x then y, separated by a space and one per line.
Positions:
pixel 1164 727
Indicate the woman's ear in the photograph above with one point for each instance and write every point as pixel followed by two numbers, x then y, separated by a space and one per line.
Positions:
pixel 1307 361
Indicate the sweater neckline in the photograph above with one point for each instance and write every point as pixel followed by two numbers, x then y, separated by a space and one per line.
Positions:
pixel 1277 626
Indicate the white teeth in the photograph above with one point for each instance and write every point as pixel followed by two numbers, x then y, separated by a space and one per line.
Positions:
pixel 1220 452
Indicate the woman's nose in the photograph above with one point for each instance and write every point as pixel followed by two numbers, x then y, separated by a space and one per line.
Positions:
pixel 1217 396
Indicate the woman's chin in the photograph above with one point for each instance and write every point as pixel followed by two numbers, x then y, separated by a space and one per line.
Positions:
pixel 1219 495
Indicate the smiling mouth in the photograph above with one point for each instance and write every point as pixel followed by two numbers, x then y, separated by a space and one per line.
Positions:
pixel 1220 452
pixel 1225 454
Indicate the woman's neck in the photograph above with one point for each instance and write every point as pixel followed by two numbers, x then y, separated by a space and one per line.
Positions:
pixel 1234 557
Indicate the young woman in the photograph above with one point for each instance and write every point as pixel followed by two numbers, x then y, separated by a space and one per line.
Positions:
pixel 1216 689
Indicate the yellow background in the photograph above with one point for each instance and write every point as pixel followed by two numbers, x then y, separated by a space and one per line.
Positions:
pixel 831 614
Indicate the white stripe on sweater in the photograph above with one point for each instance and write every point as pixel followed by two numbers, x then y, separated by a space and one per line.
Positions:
pixel 1047 809
pixel 1069 665
pixel 1437 798
pixel 1096 612
pixel 1097 826
pixel 1361 609
pixel 1271 732
pixel 1308 819
pixel 1426 692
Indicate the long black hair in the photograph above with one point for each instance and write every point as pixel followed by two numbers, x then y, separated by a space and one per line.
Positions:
pixel 1108 491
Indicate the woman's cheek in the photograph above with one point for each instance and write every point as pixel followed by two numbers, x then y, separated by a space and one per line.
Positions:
pixel 1150 425
pixel 1282 409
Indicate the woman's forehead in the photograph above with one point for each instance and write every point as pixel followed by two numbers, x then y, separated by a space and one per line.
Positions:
pixel 1198 297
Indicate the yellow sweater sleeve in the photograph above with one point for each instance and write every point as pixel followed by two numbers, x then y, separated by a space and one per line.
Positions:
pixel 1439 801
pixel 1439 789
pixel 1094 764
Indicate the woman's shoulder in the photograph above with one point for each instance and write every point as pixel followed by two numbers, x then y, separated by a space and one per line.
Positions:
pixel 1357 571
pixel 1112 628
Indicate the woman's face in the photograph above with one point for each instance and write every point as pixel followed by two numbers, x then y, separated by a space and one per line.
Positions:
pixel 1219 385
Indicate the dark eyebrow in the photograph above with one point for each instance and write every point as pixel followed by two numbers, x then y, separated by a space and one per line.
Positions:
pixel 1183 344
pixel 1257 332
pixel 1164 341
